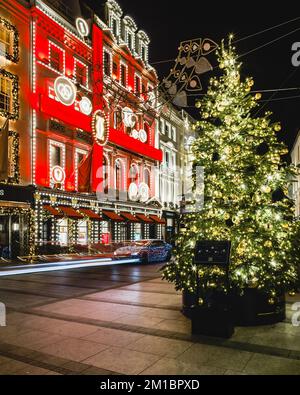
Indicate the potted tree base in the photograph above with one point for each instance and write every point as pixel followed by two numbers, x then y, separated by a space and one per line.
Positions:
pixel 252 308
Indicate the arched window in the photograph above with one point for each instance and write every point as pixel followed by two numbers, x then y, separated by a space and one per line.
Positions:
pixel 133 174
pixel 118 177
pixel 147 177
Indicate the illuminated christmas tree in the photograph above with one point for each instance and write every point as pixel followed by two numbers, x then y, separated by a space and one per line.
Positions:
pixel 246 191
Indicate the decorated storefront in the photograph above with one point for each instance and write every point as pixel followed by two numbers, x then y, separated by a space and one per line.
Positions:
pixel 17 227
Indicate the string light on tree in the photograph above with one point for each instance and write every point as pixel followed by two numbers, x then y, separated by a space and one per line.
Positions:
pixel 246 199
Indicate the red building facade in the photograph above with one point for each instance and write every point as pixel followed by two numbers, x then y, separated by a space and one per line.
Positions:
pixel 90 129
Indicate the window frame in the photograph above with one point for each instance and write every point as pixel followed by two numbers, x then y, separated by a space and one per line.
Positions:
pixel 13 112
pixel 78 151
pixel 125 66
pixel 62 146
pixel 63 52
pixel 83 65
pixel 14 55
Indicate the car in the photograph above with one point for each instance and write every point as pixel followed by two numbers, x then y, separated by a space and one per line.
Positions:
pixel 147 251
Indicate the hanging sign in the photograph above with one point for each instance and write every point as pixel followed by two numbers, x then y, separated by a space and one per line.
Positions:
pixel 143 136
pixel 133 192
pixel 144 192
pixel 82 27
pixel 65 91
pixel 85 106
pixel 129 118
pixel 100 127
pixel 58 175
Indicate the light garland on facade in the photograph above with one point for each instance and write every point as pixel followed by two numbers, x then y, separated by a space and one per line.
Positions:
pixel 49 13
pixel 52 44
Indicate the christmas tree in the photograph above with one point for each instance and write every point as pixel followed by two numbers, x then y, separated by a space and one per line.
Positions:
pixel 245 191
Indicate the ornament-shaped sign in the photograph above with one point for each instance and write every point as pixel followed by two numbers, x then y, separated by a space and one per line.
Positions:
pixel 100 127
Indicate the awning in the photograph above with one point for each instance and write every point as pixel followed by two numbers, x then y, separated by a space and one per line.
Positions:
pixel 129 217
pixel 158 220
pixel 53 211
pixel 112 216
pixel 90 214
pixel 70 212
pixel 145 219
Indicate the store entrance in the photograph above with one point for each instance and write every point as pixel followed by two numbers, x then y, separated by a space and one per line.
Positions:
pixel 13 230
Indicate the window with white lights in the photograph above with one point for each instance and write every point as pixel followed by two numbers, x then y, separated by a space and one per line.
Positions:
pixel 5 94
pixel 80 157
pixel 113 16
pixel 137 85
pixel 9 95
pixel 123 75
pixel 142 45
pixel 107 63
pixel 56 58
pixel 115 27
pixel 57 158
pixel 81 72
pixel 129 32
pixel 9 41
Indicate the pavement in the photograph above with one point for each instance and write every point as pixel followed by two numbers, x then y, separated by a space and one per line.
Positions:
pixel 124 319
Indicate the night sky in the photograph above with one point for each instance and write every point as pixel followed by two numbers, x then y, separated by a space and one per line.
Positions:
pixel 170 22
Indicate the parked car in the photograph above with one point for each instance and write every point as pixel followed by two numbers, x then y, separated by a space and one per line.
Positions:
pixel 147 251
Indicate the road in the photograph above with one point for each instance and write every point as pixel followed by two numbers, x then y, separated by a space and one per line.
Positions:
pixel 125 320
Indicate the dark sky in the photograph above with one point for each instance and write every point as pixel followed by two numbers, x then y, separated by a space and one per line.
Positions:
pixel 170 22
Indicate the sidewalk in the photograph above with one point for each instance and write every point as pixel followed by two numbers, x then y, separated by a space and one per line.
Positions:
pixel 137 329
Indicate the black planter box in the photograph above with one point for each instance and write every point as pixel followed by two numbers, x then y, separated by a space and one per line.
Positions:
pixel 250 309
pixel 253 308
pixel 212 322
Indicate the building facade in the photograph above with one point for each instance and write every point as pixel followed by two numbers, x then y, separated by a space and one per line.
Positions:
pixel 14 108
pixel 296 185
pixel 85 104
pixel 175 136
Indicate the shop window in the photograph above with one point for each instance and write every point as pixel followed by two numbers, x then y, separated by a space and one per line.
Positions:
pixel 82 238
pixel 9 41
pixel 9 95
pixel 123 76
pixel 81 73
pixel 137 232
pixel 62 232
pixel 56 58
pixel 107 63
